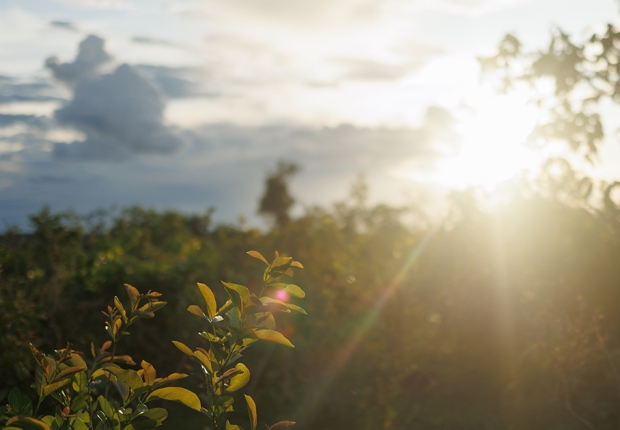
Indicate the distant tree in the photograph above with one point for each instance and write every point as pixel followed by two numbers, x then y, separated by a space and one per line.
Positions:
pixel 276 201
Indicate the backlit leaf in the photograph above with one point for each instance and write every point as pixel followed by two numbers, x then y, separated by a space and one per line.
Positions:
pixel 273 337
pixel 134 296
pixel 197 311
pixel 28 423
pixel 183 348
pixel 149 372
pixel 209 298
pixel 258 256
pixel 176 394
pixel 251 411
pixel 294 290
pixel 49 389
pixel 239 380
pixel 230 426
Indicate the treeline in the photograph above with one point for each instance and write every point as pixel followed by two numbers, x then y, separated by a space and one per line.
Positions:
pixel 502 316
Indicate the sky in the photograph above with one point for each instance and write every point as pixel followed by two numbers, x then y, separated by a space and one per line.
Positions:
pixel 189 104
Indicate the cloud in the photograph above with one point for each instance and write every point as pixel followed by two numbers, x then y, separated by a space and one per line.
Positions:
pixel 12 90
pixel 121 114
pixel 152 41
pixel 176 82
pixel 86 66
pixel 33 121
pixel 65 25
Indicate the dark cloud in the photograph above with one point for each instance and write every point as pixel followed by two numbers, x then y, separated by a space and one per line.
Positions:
pixel 345 147
pixel 33 121
pixel 11 91
pixel 65 25
pixel 86 66
pixel 121 114
pixel 176 82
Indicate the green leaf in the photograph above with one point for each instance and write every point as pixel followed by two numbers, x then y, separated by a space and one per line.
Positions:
pixel 69 371
pixel 294 290
pixel 176 394
pixel 20 404
pixel 230 426
pixel 27 423
pixel 151 307
pixel 197 311
pixel 134 296
pixel 183 348
pixel 251 411
pixel 49 389
pixel 237 291
pixel 258 256
pixel 209 297
pixel 107 408
pixel 157 414
pixel 128 376
pixel 239 380
pixel 273 337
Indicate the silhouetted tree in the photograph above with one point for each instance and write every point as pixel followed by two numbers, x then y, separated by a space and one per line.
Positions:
pixel 276 201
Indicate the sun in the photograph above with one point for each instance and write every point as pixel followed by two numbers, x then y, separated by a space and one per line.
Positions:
pixel 492 132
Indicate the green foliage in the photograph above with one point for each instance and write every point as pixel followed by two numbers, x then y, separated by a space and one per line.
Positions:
pixel 277 201
pixel 80 388
pixel 231 329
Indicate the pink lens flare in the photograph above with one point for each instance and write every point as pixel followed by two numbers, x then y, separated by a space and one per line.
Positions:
pixel 282 296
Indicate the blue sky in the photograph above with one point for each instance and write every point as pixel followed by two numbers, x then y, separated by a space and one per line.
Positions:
pixel 188 104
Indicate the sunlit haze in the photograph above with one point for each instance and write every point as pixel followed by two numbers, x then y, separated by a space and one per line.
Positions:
pixel 388 89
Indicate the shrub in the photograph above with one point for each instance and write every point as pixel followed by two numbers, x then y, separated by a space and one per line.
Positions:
pixel 101 393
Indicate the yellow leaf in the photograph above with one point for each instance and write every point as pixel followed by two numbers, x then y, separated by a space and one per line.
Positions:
pixel 207 294
pixel 239 380
pixel 183 348
pixel 177 394
pixel 230 426
pixel 134 296
pixel 149 372
pixel 258 256
pixel 197 311
pixel 281 424
pixel 251 411
pixel 294 290
pixel 27 423
pixel 273 337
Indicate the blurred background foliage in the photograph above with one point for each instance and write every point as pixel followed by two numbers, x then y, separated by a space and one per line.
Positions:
pixel 499 316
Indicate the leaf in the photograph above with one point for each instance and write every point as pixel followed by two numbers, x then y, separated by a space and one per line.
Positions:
pixel 128 376
pixel 251 411
pixel 281 425
pixel 121 309
pixel 183 348
pixel 204 359
pixel 38 356
pixel 157 414
pixel 151 307
pixel 237 291
pixel 227 375
pixel 299 266
pixel 27 423
pixel 239 380
pixel 69 371
pixel 230 426
pixel 197 311
pixel 134 296
pixel 209 297
pixel 149 372
pixel 177 394
pixel 258 256
pixel 294 290
pixel 273 337
pixel 49 389
pixel 20 404
pixel 170 378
